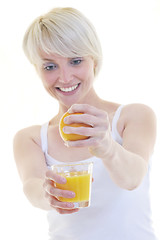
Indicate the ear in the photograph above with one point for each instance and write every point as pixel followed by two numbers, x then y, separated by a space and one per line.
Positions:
pixel 95 65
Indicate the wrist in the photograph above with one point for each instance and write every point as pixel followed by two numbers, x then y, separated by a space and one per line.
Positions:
pixel 104 149
pixel 110 153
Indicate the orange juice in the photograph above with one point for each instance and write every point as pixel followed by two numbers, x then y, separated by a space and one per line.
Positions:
pixel 78 182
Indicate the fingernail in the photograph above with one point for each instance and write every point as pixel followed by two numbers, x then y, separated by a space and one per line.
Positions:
pixel 72 194
pixel 70 205
pixel 65 120
pixel 64 130
pixel 63 180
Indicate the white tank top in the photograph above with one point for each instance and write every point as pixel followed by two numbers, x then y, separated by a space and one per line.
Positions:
pixel 114 214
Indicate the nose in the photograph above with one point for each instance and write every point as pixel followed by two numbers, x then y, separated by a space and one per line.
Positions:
pixel 65 75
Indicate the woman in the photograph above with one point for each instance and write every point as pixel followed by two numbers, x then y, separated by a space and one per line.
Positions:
pixel 66 53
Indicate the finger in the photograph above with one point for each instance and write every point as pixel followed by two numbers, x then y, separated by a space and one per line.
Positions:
pixel 55 177
pixel 85 131
pixel 82 118
pixel 55 203
pixel 98 131
pixel 48 182
pixel 90 142
pixel 58 192
pixel 85 108
pixel 67 211
pixel 58 204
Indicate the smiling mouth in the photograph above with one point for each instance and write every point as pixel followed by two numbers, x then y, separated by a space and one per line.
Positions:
pixel 69 89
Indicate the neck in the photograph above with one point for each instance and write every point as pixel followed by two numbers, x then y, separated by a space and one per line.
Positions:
pixel 91 98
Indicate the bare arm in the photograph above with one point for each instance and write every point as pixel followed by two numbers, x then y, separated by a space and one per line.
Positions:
pixel 127 164
pixel 35 176
pixel 31 167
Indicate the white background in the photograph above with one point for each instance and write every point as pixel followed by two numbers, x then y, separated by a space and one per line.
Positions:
pixel 130 35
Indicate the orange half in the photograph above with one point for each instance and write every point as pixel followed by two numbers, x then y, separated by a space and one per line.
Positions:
pixel 71 137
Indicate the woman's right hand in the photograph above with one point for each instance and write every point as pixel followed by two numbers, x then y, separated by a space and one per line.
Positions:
pixel 52 193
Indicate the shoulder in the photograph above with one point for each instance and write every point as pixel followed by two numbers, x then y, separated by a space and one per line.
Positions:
pixel 29 133
pixel 136 118
pixel 28 154
pixel 139 121
pixel 138 112
pixel 139 129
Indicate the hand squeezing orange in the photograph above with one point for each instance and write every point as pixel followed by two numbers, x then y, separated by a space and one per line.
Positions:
pixel 71 137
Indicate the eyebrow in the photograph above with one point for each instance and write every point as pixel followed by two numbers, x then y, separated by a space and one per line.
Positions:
pixel 49 60
pixel 54 61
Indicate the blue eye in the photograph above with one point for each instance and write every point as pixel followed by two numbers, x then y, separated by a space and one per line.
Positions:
pixel 50 66
pixel 76 61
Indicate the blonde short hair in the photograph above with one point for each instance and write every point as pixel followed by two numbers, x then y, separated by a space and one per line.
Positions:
pixel 63 31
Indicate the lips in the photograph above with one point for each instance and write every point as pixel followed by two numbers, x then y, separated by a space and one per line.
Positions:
pixel 68 89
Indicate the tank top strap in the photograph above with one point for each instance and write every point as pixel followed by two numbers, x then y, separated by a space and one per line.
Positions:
pixel 44 137
pixel 115 133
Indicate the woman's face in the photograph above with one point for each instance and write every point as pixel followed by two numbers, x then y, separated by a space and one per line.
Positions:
pixel 69 80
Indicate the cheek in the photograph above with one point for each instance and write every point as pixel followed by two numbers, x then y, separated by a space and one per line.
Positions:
pixel 48 79
pixel 87 72
pixel 90 69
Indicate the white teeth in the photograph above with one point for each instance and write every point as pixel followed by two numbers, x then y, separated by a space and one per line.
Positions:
pixel 70 89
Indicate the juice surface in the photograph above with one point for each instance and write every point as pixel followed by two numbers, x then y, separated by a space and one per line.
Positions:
pixel 78 182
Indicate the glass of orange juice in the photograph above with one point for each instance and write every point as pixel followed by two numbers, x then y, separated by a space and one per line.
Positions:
pixel 79 179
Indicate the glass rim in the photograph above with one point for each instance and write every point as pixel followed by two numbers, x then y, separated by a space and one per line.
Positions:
pixel 71 164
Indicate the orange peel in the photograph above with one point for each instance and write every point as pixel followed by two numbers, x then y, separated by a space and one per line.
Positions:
pixel 71 136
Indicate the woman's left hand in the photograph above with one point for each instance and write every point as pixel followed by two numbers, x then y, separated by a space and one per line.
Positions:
pixel 100 140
